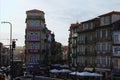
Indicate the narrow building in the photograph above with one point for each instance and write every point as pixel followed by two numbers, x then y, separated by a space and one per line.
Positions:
pixel 35 38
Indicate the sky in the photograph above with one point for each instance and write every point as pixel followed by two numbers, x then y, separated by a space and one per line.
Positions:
pixel 59 15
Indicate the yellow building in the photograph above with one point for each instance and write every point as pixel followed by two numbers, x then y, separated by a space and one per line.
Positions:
pixel 35 36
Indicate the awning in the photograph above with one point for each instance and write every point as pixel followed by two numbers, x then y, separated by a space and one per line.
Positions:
pixel 102 69
pixel 116 72
pixel 88 69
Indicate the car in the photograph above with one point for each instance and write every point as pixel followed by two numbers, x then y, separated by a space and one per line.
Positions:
pixel 27 77
pixel 2 75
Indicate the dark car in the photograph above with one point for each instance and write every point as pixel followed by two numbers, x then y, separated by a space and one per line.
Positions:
pixel 27 77
pixel 2 75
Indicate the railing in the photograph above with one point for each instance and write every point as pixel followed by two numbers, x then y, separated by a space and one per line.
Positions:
pixel 33 28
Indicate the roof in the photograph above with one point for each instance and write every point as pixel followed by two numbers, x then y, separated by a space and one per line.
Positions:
pixel 49 31
pixel 110 13
pixel 34 11
pixel 65 47
pixel 90 20
pixel 74 25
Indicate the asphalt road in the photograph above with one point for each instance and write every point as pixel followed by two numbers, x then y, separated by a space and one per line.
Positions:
pixel 45 78
pixel 38 78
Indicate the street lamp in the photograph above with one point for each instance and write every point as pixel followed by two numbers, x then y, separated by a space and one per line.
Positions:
pixel 10 30
pixel 11 52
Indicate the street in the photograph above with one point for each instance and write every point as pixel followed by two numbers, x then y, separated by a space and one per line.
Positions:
pixel 31 78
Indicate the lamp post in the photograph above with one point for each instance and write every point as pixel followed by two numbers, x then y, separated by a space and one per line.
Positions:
pixel 11 51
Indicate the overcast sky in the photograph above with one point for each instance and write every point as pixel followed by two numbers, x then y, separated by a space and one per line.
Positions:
pixel 59 14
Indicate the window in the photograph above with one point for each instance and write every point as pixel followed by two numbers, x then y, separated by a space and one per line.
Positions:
pixel 104 47
pixel 97 34
pixel 91 25
pixel 33 46
pixel 104 33
pixel 102 20
pixel 103 60
pixel 33 23
pixel 105 20
pixel 116 38
pixel 34 35
pixel 31 35
pixel 117 50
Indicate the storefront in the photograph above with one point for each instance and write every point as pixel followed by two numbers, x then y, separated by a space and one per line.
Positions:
pixel 105 72
pixel 89 69
pixel 116 75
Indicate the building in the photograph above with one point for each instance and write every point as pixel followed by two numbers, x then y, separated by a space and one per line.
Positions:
pixel 37 37
pixel 56 53
pixel 72 48
pixel 96 46
pixel 19 53
pixel 4 55
pixel 0 52
pixel 86 45
pixel 116 50
pixel 65 54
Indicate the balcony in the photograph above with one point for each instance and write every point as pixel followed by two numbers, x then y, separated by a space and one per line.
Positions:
pixel 33 50
pixel 35 18
pixel 116 54
pixel 81 42
pixel 33 28
pixel 116 26
pixel 33 39
pixel 74 46
pixel 116 42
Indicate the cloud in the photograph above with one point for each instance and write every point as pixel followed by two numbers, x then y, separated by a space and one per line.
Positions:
pixel 59 14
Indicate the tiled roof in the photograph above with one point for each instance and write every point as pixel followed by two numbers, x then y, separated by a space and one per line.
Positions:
pixel 74 25
pixel 90 20
pixel 110 13
pixel 65 47
pixel 34 11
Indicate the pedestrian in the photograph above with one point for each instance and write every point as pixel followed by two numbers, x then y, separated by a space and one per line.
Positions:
pixel 7 72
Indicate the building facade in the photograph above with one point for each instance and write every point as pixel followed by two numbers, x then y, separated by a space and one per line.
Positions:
pixel 36 38
pixel 72 48
pixel 65 54
pixel 96 45
pixel 116 49
pixel 56 53
pixel 4 55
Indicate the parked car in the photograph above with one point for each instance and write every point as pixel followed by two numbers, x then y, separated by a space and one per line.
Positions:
pixel 2 75
pixel 27 77
pixel 3 68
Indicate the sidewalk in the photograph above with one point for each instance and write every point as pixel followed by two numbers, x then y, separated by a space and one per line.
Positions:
pixel 7 77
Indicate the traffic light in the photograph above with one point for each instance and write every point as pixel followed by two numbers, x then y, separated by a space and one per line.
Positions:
pixel 13 44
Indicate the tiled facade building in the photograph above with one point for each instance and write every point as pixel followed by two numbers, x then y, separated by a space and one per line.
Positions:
pixel 37 38
pixel 94 45
pixel 41 49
